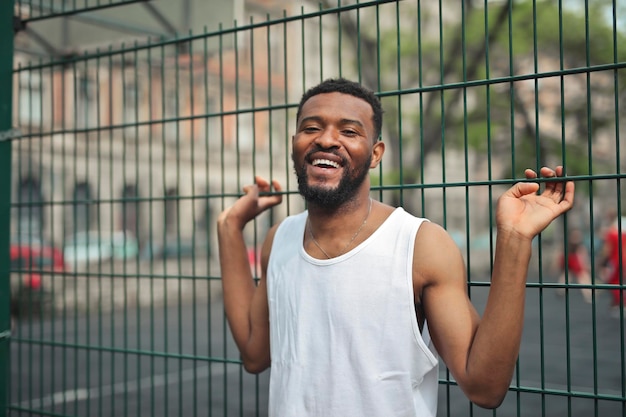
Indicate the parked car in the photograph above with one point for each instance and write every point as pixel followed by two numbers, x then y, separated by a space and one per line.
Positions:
pixel 26 239
pixel 94 246
pixel 174 249
pixel 29 264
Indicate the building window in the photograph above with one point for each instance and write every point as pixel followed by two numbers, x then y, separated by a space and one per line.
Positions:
pixel 86 103
pixel 29 207
pixel 245 132
pixel 172 112
pixel 130 210
pixel 171 212
pixel 203 222
pixel 130 103
pixel 213 125
pixel 30 98
pixel 82 207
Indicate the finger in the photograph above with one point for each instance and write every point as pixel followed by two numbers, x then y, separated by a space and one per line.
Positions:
pixel 567 201
pixel 277 197
pixel 555 187
pixel 248 188
pixel 277 185
pixel 547 172
pixel 521 189
pixel 560 171
pixel 278 188
pixel 261 182
pixel 530 174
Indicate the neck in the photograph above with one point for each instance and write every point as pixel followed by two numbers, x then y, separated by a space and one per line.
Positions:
pixel 338 234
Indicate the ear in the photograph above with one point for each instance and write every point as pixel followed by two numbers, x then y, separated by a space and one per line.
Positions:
pixel 377 153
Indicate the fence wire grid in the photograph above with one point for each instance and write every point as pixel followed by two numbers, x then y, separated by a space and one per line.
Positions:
pixel 127 126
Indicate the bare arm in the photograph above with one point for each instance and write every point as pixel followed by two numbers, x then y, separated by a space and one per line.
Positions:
pixel 481 353
pixel 244 302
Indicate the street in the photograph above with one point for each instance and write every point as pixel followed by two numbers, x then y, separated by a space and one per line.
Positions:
pixel 568 346
pixel 181 361
pixel 176 361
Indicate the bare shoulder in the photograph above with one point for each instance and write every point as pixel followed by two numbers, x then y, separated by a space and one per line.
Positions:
pixel 437 260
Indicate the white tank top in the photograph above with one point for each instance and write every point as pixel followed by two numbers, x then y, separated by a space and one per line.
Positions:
pixel 344 335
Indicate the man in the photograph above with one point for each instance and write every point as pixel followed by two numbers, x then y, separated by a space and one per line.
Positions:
pixel 357 298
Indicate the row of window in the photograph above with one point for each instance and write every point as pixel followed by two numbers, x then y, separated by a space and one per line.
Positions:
pixel 169 113
pixel 85 216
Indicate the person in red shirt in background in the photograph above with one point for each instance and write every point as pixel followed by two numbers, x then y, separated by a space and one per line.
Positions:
pixel 577 265
pixel 614 257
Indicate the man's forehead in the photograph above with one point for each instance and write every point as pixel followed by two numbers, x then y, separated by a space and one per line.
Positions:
pixel 337 104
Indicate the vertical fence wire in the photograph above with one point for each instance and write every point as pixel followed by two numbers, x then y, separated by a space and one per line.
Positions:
pixel 6 171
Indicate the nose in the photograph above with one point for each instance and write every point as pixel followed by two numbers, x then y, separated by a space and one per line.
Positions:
pixel 328 138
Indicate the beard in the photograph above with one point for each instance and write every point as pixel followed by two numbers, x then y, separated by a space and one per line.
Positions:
pixel 332 198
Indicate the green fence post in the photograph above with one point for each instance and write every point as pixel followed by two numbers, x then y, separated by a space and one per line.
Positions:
pixel 6 80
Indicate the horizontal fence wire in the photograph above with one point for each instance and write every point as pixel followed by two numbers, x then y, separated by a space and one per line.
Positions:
pixel 48 9
pixel 125 151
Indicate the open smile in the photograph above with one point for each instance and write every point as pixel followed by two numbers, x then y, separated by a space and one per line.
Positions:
pixel 325 163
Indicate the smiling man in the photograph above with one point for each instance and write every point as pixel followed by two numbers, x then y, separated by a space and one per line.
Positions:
pixel 358 299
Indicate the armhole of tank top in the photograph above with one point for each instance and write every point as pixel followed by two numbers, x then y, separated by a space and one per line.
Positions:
pixel 280 231
pixel 422 338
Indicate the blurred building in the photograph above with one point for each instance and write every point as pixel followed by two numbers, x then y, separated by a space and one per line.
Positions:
pixel 147 116
pixel 134 117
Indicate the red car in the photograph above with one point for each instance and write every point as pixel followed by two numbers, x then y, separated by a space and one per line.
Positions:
pixel 29 263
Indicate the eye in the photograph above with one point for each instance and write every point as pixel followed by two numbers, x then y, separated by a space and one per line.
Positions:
pixel 310 129
pixel 349 132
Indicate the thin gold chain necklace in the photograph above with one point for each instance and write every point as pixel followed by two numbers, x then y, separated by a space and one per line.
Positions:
pixel 369 210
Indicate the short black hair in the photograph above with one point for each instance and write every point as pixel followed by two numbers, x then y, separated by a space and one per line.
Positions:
pixel 344 86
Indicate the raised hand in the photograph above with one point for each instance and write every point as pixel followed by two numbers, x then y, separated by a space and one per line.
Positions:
pixel 251 204
pixel 523 211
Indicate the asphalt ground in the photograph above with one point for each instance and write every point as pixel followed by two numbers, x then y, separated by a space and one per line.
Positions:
pixel 571 360
pixel 181 361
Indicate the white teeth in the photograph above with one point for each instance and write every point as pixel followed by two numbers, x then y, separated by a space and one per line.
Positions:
pixel 317 162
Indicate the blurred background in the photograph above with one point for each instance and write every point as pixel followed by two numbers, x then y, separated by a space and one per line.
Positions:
pixel 130 124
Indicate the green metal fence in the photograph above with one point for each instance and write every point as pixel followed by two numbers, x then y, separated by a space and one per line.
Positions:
pixel 116 156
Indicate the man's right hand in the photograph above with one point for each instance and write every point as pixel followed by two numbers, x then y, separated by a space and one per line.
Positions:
pixel 251 204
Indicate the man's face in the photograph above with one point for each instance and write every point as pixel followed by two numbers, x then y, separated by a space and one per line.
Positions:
pixel 334 148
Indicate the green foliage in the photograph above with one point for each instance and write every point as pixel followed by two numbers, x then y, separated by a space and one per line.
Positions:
pixel 537 29
pixel 531 33
pixel 541 27
pixel 475 134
